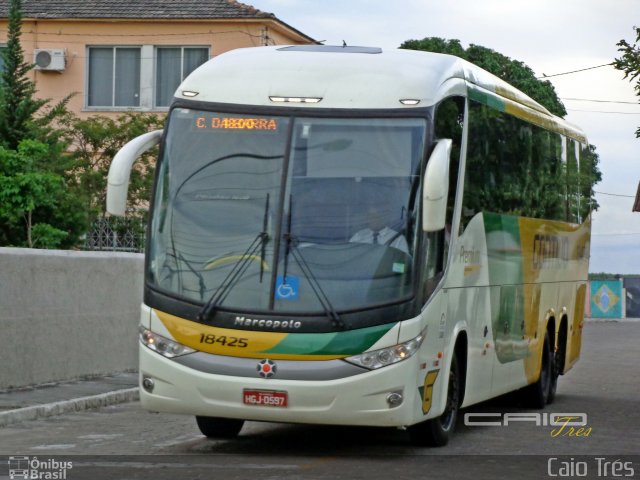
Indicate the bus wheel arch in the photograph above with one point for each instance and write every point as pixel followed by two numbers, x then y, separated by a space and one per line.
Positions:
pixel 436 432
pixel 561 351
pixel 460 352
pixel 559 356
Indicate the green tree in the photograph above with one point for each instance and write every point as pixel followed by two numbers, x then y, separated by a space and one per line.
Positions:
pixel 96 140
pixel 589 175
pixel 17 105
pixel 23 117
pixel 513 72
pixel 24 189
pixel 21 114
pixel 629 63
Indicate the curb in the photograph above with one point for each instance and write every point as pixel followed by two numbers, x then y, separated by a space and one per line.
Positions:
pixel 67 406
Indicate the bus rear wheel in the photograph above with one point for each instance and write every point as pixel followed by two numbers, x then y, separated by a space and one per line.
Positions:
pixel 437 431
pixel 216 427
pixel 558 364
pixel 538 394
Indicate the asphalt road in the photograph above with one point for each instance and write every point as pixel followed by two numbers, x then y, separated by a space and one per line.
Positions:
pixel 124 441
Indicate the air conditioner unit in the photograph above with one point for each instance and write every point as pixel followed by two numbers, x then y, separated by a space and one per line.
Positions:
pixel 49 59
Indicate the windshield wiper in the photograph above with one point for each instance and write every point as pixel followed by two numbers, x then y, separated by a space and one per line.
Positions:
pixel 238 269
pixel 291 246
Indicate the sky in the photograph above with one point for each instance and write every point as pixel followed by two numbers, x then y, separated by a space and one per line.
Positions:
pixel 551 37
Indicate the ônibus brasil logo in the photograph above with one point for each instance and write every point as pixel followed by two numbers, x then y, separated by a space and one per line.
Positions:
pixel 31 468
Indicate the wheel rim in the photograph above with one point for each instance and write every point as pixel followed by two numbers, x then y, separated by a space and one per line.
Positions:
pixel 448 416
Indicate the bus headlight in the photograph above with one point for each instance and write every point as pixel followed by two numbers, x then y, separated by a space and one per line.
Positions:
pixel 390 355
pixel 163 346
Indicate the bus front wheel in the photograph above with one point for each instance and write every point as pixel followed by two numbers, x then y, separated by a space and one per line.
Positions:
pixel 437 431
pixel 215 427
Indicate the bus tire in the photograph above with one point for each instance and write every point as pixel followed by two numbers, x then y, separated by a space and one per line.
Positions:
pixel 437 431
pixel 537 394
pixel 553 386
pixel 215 427
pixel 558 363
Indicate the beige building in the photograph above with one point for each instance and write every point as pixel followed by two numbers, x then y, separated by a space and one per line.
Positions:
pixel 130 55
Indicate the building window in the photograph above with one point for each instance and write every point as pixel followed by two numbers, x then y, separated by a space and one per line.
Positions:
pixel 114 77
pixel 140 77
pixel 173 64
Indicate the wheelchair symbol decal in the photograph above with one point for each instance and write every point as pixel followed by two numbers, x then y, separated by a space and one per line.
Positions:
pixel 287 290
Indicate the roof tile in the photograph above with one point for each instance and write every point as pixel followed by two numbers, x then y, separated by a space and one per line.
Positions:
pixel 158 9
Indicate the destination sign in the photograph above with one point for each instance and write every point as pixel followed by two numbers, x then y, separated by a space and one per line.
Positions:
pixel 235 123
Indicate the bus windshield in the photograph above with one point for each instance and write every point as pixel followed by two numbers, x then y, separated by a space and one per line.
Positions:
pixel 283 214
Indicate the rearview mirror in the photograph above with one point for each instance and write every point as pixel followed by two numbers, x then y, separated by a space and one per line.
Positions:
pixel 436 187
pixel 120 170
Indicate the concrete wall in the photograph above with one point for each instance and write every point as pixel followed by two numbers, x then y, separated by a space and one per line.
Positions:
pixel 65 315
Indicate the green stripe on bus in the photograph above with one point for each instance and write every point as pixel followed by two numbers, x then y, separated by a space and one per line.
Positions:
pixel 504 248
pixel 490 100
pixel 351 342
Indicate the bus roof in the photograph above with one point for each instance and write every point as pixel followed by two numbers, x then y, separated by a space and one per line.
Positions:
pixel 356 78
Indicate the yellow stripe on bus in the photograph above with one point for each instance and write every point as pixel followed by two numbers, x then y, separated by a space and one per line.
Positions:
pixel 551 252
pixel 230 342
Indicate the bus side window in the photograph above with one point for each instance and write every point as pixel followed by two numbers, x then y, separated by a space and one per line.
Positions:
pixel 588 175
pixel 517 168
pixel 449 119
pixel 573 181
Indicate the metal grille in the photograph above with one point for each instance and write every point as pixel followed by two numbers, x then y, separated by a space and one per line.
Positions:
pixel 125 234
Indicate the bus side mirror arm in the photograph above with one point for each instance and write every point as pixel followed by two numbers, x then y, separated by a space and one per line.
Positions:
pixel 120 170
pixel 436 187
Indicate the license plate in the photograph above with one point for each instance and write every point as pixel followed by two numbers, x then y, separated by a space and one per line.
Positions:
pixel 266 398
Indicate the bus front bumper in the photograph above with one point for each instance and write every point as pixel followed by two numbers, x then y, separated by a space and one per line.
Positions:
pixel 355 400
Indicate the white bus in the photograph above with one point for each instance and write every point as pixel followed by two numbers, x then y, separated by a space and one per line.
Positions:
pixel 351 236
